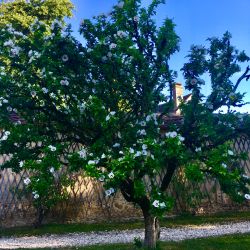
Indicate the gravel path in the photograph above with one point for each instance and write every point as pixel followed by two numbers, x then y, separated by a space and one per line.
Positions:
pixel 83 239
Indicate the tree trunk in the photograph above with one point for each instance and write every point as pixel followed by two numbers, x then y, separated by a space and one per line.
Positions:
pixel 152 231
pixel 39 217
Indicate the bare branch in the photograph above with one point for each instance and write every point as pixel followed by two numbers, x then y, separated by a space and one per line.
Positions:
pixel 244 75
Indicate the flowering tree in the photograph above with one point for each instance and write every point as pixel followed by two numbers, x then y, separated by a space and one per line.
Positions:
pixel 104 95
pixel 18 21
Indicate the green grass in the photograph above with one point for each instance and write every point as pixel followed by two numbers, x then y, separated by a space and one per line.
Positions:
pixel 107 226
pixel 229 242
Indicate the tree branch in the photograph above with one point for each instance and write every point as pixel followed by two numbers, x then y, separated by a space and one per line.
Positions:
pixel 168 176
pixel 244 75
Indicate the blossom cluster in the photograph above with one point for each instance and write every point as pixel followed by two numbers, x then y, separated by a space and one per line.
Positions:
pixel 158 204
pixel 5 135
pixel 14 49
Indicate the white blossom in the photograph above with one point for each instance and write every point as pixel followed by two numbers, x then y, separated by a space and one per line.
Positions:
pixel 33 93
pixel 112 113
pixel 101 178
pixel 64 82
pixel 247 196
pixel 65 58
pixel 27 181
pixel 7 133
pixel 230 152
pixel 142 132
pixel 35 195
pixel 224 165
pixel 138 154
pixel 116 145
pixel 52 148
pixel 83 153
pixel 4 138
pixel 21 163
pixel 181 138
pixel 30 53
pixel 162 204
pixel 156 203
pixel 109 191
pixel 45 90
pixel 148 118
pixel 119 134
pixel 171 134
pixel 111 175
pixel 144 146
pixel 52 95
pixel 33 55
pixel 52 170
pixel 93 162
pixel 131 150
pixel 143 123
pixel 121 34
pixel 112 46
pixel 109 54
pixel 198 149
pixel 136 19
pixel 9 43
pixel 15 51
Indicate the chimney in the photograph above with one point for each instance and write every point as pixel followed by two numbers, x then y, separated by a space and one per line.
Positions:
pixel 177 96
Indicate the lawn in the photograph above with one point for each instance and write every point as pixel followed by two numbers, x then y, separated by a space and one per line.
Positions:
pixel 166 222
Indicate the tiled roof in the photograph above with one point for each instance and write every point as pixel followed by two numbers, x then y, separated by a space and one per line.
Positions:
pixel 15 118
pixel 169 120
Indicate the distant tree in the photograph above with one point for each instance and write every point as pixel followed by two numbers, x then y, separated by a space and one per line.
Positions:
pixel 21 13
pixel 104 95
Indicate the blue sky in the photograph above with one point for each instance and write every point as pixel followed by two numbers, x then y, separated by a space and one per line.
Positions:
pixel 195 20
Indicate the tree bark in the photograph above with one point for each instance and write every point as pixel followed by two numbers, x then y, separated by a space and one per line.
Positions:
pixel 152 231
pixel 39 217
pixel 152 227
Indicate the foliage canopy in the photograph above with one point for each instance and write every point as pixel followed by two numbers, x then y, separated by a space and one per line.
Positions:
pixel 104 95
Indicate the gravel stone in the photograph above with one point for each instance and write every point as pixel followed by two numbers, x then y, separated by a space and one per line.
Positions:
pixel 126 236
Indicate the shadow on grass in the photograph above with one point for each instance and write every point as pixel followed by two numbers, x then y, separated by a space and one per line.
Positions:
pixel 108 226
